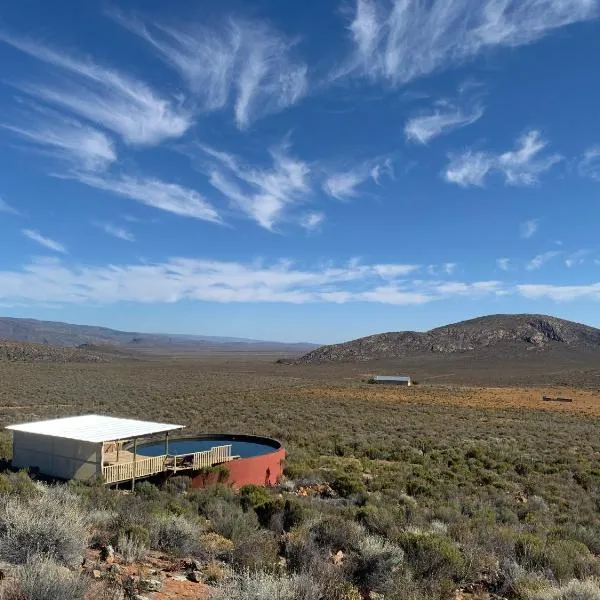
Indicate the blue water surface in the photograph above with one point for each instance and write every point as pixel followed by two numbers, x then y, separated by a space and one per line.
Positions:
pixel 238 447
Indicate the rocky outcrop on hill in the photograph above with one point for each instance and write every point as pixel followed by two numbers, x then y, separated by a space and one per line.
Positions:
pixel 25 352
pixel 527 331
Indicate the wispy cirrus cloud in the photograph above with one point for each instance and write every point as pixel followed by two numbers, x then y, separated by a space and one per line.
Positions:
pixel 47 242
pixel 115 231
pixel 537 262
pixel 312 221
pixel 118 102
pixel 504 264
pixel 59 137
pixel 178 279
pixel 560 293
pixel 345 185
pixel 397 42
pixel 445 116
pixel 576 258
pixel 529 228
pixel 264 194
pixel 589 165
pixel 520 167
pixel 153 192
pixel 243 61
pixel 6 208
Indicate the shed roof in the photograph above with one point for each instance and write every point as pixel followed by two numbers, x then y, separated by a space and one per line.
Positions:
pixel 94 428
pixel 392 378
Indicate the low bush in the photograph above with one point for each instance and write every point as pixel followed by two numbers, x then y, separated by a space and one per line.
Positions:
pixel 43 579
pixel 266 586
pixel 573 590
pixel 49 523
pixel 176 535
pixel 347 485
pixel 131 548
pixel 375 563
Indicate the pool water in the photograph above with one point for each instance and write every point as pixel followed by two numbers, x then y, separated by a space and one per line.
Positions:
pixel 242 448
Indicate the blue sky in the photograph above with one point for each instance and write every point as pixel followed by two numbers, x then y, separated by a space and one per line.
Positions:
pixel 299 170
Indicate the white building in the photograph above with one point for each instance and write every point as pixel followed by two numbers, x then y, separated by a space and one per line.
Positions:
pixel 393 379
pixel 87 447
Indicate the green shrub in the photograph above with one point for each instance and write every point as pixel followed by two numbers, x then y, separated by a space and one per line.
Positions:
pixel 252 496
pixel 268 510
pixel 375 563
pixel 293 514
pixel 570 559
pixel 347 485
pixel 131 549
pixel 176 535
pixel 573 590
pixel 433 556
pixel 229 520
pixel 335 533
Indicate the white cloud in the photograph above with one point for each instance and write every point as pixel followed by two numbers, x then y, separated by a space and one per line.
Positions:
pixel 246 61
pixel 522 166
pixel 116 231
pixel 504 264
pixel 5 207
pixel 263 194
pixel 589 166
pixel 169 197
pixel 105 96
pixel 44 241
pixel 69 140
pixel 529 228
pixel 444 269
pixel 312 221
pixel 344 185
pixel 50 280
pixel 446 116
pixel 399 41
pixel 561 293
pixel 576 258
pixel 537 262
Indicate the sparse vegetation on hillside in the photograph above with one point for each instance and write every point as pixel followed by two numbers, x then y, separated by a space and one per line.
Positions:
pixel 420 493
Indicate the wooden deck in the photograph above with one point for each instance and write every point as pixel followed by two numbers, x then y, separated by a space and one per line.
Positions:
pixel 126 469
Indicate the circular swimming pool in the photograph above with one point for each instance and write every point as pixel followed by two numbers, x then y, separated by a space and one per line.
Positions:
pixel 260 458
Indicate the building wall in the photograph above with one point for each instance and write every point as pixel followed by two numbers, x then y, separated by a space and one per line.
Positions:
pixel 57 457
pixel 259 470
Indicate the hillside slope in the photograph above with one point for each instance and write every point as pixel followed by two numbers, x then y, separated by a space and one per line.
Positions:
pixel 28 352
pixel 532 332
pixel 55 333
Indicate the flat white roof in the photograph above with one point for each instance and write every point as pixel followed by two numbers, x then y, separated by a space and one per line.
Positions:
pixel 392 377
pixel 95 428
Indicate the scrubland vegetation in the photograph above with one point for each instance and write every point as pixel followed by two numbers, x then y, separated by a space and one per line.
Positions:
pixel 409 499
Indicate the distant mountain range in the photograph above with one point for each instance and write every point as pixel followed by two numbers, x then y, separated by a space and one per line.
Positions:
pixel 89 337
pixel 495 333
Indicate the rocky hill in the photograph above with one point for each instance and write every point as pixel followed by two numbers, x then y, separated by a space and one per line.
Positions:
pixel 531 332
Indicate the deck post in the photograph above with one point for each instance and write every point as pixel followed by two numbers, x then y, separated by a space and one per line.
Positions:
pixel 167 443
pixel 134 463
pixel 118 448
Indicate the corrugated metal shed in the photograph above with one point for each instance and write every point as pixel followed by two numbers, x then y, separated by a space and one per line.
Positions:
pixel 94 428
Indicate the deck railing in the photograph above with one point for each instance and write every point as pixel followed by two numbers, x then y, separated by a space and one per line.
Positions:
pixel 145 467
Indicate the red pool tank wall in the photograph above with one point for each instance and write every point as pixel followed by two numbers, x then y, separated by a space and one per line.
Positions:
pixel 265 469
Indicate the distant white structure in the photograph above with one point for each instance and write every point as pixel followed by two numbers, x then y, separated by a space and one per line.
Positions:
pixel 393 379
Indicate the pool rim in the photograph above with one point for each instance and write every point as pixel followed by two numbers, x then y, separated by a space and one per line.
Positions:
pixel 273 443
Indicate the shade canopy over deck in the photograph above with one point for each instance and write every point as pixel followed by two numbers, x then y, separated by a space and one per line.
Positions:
pixel 94 428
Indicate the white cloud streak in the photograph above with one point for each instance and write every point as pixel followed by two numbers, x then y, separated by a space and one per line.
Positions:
pixel 504 264
pixel 561 293
pixel 244 61
pixel 263 194
pixel 105 96
pixel 312 221
pixel 520 167
pixel 446 116
pixel 397 42
pixel 576 258
pixel 50 280
pixel 529 228
pixel 169 197
pixel 6 208
pixel 537 262
pixel 44 241
pixel 344 185
pixel 116 231
pixel 589 166
pixel 57 136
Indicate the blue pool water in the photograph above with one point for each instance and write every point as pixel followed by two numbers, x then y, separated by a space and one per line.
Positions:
pixel 243 448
